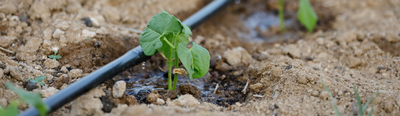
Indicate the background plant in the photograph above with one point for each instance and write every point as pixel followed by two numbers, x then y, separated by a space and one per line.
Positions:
pixel 38 80
pixel 305 14
pixel 169 36
pixel 55 56
pixel 33 99
pixel 360 106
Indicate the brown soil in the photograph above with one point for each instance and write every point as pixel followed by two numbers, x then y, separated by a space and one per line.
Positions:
pixel 258 70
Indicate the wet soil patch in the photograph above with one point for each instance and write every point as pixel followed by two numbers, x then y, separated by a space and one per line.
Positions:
pixel 221 88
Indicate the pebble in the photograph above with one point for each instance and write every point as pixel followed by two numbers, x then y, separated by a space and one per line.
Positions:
pixel 88 34
pixel 50 63
pixel 86 105
pixel 237 56
pixel 185 101
pixel 48 92
pixel 324 95
pixel 160 101
pixel 75 73
pixel 16 73
pixel 64 69
pixel 222 66
pixel 152 97
pixel 58 33
pixel 63 26
pixel 119 89
pixel 6 41
pixel 31 86
pixel 315 93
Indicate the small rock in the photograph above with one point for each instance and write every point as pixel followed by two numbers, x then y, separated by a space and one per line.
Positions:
pixel 119 89
pixel 257 87
pixel 64 69
pixel 58 33
pixel 222 66
pixel 237 56
pixel 276 72
pixel 88 22
pixel 86 105
pixel 160 101
pixel 29 50
pixel 152 97
pixel 48 92
pixel 293 51
pixel 88 34
pixel 315 93
pixel 16 73
pixel 95 22
pixel 131 100
pixel 108 104
pixel 324 95
pixel 97 92
pixel 259 57
pixel 30 86
pixel 189 89
pixel 63 26
pixel 75 73
pixel 3 102
pixel 214 60
pixel 185 101
pixel 301 77
pixel 6 41
pixel 50 63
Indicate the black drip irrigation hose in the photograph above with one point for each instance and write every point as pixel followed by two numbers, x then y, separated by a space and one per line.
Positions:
pixel 129 59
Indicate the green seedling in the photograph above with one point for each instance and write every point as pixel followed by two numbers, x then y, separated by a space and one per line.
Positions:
pixel 169 36
pixel 305 14
pixel 11 110
pixel 33 99
pixel 55 56
pixel 361 108
pixel 38 80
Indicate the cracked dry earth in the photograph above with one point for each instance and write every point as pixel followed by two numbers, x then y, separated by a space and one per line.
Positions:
pixel 355 41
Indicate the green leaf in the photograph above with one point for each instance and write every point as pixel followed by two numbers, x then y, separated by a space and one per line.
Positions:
pixel 33 99
pixel 40 78
pixel 41 83
pixel 358 99
pixel 57 57
pixel 373 103
pixel 307 15
pixel 333 102
pixel 196 60
pixel 52 56
pixel 11 110
pixel 158 26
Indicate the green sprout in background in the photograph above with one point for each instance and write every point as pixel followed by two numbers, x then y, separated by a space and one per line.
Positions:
pixel 38 80
pixel 55 56
pixel 305 14
pixel 361 108
pixel 169 36
pixel 33 99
